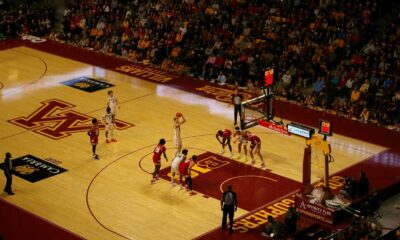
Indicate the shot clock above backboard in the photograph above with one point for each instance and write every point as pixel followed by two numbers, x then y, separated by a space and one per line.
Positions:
pixel 325 127
pixel 269 77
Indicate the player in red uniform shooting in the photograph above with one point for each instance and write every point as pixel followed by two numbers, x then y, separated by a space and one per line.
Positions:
pixel 185 171
pixel 224 137
pixel 158 151
pixel 94 136
pixel 255 146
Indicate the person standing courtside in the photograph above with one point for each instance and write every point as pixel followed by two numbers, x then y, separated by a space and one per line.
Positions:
pixel 8 174
pixel 228 207
pixel 237 105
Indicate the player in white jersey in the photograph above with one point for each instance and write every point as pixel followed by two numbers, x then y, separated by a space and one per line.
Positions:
pixel 178 121
pixel 180 157
pixel 112 102
pixel 109 121
pixel 241 136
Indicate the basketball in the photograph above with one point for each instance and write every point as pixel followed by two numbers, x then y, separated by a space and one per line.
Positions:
pixel 178 114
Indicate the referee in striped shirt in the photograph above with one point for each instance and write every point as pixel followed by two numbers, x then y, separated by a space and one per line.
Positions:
pixel 237 103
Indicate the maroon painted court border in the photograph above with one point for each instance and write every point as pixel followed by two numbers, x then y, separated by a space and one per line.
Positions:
pixel 383 171
pixel 18 223
pixel 255 186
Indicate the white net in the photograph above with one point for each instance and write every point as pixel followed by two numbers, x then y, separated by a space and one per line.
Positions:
pixel 252 111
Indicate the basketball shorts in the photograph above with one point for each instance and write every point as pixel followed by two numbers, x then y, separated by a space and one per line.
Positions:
pixel 109 127
pixel 243 141
pixel 157 162
pixel 175 168
pixel 255 145
pixel 113 110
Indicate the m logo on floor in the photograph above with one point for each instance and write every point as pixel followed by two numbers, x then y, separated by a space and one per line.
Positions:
pixel 34 169
pixel 56 119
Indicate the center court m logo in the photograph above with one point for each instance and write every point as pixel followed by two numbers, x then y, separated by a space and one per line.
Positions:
pixel 56 119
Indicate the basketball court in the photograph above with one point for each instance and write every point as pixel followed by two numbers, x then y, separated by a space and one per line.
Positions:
pixel 47 103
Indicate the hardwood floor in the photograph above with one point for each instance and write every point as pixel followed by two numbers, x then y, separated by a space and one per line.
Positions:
pixel 112 198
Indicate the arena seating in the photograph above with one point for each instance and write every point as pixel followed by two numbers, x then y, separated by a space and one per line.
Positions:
pixel 335 50
pixel 331 57
pixel 24 20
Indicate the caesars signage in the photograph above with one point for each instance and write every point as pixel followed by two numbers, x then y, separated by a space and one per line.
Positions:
pixel 34 169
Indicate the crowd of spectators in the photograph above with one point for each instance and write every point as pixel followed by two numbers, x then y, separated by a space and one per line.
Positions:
pixel 366 85
pixel 282 229
pixel 360 229
pixel 335 50
pixel 24 20
pixel 327 56
pixel 364 226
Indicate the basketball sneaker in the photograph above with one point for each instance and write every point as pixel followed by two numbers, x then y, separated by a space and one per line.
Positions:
pixel 262 165
pixel 222 152
pixel 153 180
pixel 108 141
pixel 96 157
pixel 253 162
pixel 191 193
pixel 231 155
pixel 114 140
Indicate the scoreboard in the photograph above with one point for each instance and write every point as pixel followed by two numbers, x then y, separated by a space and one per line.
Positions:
pixel 269 77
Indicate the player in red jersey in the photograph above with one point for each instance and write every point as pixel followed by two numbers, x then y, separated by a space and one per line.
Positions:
pixel 226 140
pixel 94 136
pixel 184 170
pixel 255 146
pixel 158 151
